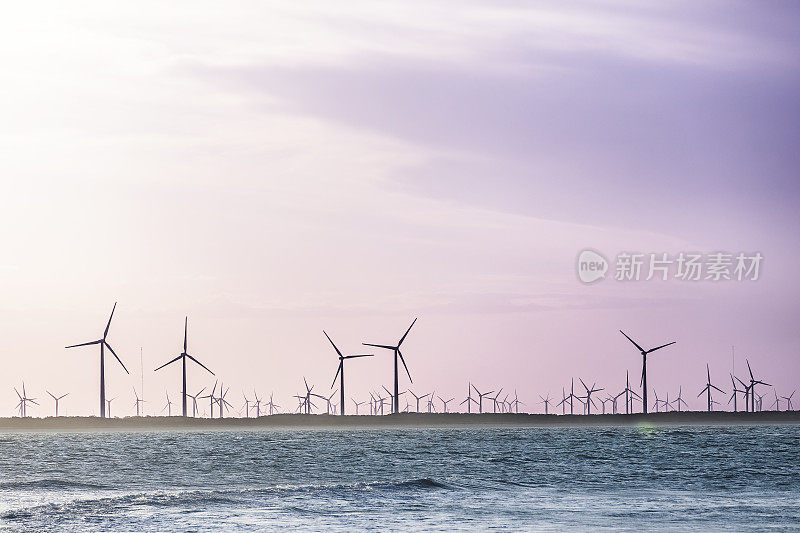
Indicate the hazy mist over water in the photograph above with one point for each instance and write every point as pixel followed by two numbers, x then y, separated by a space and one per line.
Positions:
pixel 621 478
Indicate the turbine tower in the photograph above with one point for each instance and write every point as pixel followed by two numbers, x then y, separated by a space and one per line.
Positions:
pixel 397 353
pixel 103 345
pixel 340 370
pixel 644 353
pixel 183 355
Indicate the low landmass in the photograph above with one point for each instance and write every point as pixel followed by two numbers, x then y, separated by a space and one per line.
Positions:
pixel 402 420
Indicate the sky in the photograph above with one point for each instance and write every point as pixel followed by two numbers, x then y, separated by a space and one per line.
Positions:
pixel 273 169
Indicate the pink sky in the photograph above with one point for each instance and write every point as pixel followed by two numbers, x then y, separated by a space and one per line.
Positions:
pixel 273 170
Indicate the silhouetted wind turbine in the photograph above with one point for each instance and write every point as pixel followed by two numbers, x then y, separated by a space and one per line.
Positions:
pixel 340 370
pixel 109 406
pixel 211 398
pixel 589 393
pixel 644 366
pixel 397 353
pixel 680 400
pixel 708 387
pixel 223 403
pixel 444 403
pixel 494 400
pixel 357 404
pixel 753 383
pixel 139 401
pixel 23 401
pixel 56 398
pixel 480 397
pixel 546 402
pixel 468 400
pixel 194 398
pixel 272 406
pixel 418 398
pixel 733 393
pixel 168 405
pixel 571 396
pixel 628 391
pixel 182 356
pixel 103 345
pixel 789 400
pixel 777 403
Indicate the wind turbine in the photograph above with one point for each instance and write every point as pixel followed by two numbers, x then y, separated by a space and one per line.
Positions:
pixel 211 398
pixel 194 398
pixel 431 406
pixel 168 405
pixel 680 400
pixel 644 366
pixel 272 406
pixel 777 403
pixel 494 400
pixel 357 404
pixel 753 383
pixel 23 401
pixel 789 400
pixel 516 402
pixel 56 398
pixel 182 356
pixel 563 402
pixel 657 402
pixel 589 393
pixel 733 393
pixel 340 370
pixel 397 353
pixel 628 391
pixel 468 400
pixel 418 398
pixel 103 345
pixel 391 396
pixel 546 402
pixel 708 387
pixel 444 403
pixel 223 403
pixel 109 406
pixel 480 397
pixel 571 396
pixel 246 405
pixel 139 401
pixel 257 403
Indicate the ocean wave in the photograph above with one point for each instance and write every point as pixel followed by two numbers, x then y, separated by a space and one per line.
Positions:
pixel 48 484
pixel 210 497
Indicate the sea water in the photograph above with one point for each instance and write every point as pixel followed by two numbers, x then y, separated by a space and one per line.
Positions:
pixel 736 478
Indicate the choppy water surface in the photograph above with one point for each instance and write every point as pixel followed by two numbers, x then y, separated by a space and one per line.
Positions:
pixel 677 478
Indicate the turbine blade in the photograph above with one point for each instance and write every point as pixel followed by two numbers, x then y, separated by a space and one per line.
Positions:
pixel 632 341
pixel 185 333
pixel 338 369
pixel 662 346
pixel 406 333
pixel 359 355
pixel 168 363
pixel 403 360
pixel 201 364
pixel 332 344
pixel 116 356
pixel 84 344
pixel 379 346
pixel 105 333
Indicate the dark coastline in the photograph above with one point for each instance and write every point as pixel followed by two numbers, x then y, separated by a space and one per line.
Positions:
pixel 403 420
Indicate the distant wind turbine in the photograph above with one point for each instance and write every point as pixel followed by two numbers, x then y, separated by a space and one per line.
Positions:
pixel 708 387
pixel 182 356
pixel 103 345
pixel 57 398
pixel 753 383
pixel 397 354
pixel 588 396
pixel 340 372
pixel 23 401
pixel 644 366
pixel 480 397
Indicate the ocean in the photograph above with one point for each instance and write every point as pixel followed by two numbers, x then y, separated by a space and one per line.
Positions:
pixel 714 478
